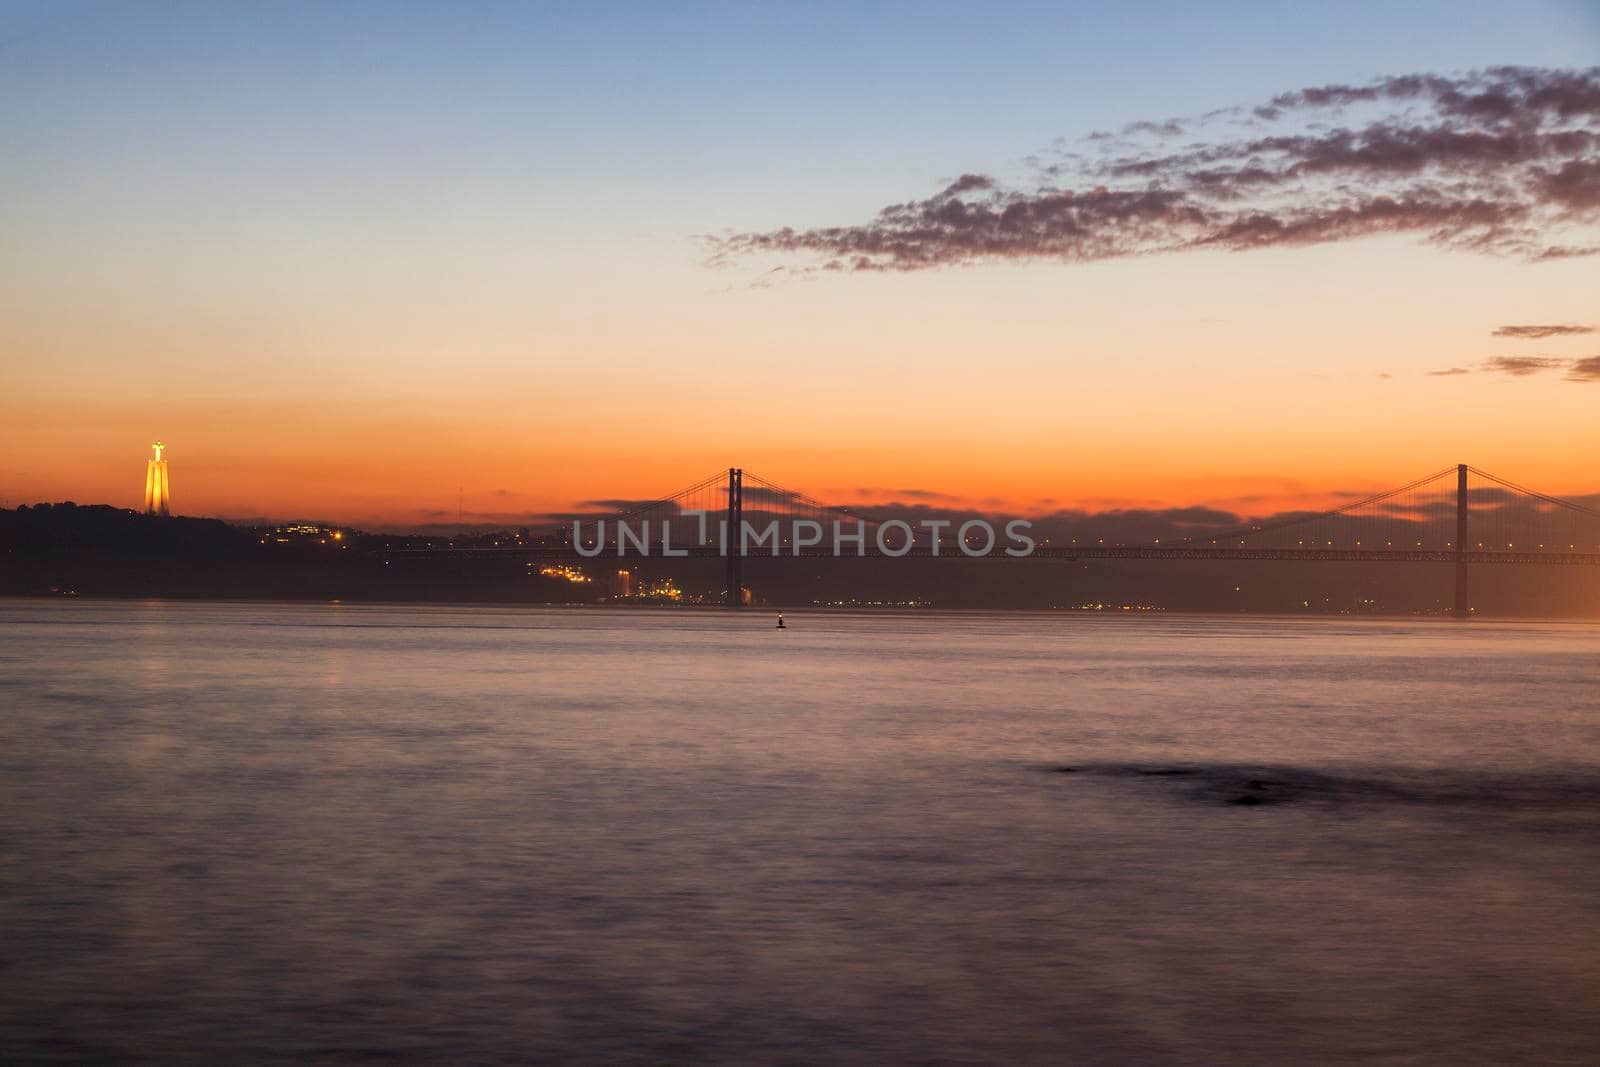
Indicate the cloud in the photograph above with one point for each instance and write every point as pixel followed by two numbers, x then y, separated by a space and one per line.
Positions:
pixel 1584 370
pixel 615 504
pixel 754 496
pixel 1578 370
pixel 925 495
pixel 1522 366
pixel 1535 333
pixel 1497 162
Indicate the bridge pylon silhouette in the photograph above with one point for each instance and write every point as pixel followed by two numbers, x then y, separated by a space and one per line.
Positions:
pixel 1462 608
pixel 733 591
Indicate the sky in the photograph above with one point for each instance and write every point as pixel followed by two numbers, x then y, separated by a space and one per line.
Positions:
pixel 394 263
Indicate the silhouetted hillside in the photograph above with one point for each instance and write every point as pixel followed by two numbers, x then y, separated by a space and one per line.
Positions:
pixel 57 529
pixel 96 550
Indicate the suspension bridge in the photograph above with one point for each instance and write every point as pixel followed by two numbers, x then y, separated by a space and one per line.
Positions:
pixel 1459 515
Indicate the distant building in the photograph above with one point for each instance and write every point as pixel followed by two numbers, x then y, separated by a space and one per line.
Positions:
pixel 157 490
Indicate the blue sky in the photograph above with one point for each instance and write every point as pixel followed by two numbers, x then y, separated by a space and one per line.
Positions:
pixel 741 102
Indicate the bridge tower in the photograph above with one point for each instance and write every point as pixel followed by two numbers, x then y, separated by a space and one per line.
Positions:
pixel 733 561
pixel 1461 608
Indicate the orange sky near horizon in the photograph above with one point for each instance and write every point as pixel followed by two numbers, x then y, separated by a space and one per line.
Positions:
pixel 358 268
pixel 1018 389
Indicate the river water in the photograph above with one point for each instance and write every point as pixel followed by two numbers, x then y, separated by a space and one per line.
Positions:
pixel 284 833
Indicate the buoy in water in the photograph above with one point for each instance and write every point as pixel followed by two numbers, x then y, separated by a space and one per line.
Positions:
pixel 781 626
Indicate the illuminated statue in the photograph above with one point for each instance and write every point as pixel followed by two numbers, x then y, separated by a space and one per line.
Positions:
pixel 157 491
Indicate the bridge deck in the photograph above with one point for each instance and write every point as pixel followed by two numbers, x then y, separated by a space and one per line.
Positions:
pixel 567 553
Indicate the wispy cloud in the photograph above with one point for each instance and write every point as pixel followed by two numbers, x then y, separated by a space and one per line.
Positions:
pixel 613 504
pixel 921 495
pixel 1535 333
pixel 1503 162
pixel 1522 366
pixel 1584 370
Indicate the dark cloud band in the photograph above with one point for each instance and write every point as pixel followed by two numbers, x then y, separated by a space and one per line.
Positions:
pixel 1535 333
pixel 1501 162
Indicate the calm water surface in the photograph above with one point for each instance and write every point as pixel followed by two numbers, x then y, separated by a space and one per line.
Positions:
pixel 269 833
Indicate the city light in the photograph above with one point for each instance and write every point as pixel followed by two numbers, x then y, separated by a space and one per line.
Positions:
pixel 564 572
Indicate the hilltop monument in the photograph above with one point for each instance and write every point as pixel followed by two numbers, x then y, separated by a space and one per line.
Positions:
pixel 157 491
